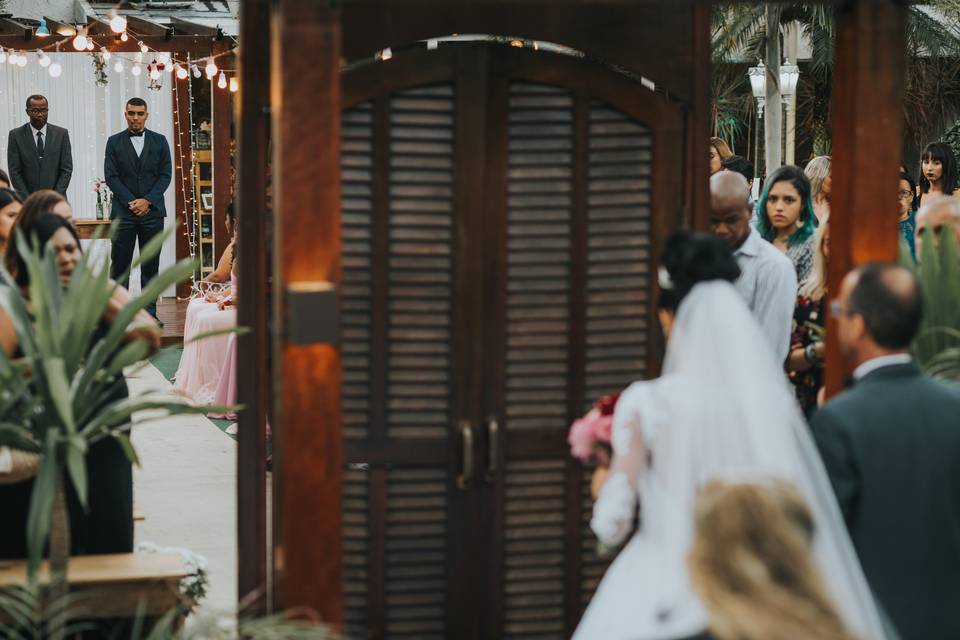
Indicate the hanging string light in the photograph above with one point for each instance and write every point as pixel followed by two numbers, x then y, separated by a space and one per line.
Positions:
pixel 211 69
pixel 55 70
pixel 136 70
pixel 222 81
pixel 124 37
pixel 196 71
pixel 21 61
pixel 80 41
pixel 105 53
pixel 143 48
pixel 118 66
pixel 43 59
pixel 118 23
pixel 182 72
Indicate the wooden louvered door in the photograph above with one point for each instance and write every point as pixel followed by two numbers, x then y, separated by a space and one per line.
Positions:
pixel 497 226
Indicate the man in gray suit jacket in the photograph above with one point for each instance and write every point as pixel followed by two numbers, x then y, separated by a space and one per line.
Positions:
pixel 38 153
pixel 891 446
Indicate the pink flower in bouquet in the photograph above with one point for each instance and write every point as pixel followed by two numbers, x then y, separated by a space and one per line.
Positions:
pixel 589 437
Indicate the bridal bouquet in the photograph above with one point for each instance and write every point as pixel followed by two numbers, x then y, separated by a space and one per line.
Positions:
pixel 589 437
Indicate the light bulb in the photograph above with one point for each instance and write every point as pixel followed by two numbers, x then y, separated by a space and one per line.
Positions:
pixel 105 53
pixel 154 73
pixel 118 65
pixel 55 70
pixel 222 81
pixel 211 69
pixel 143 47
pixel 43 58
pixel 90 44
pixel 196 71
pixel 22 61
pixel 13 59
pixel 118 23
pixel 3 55
pixel 386 54
pixel 169 67
pixel 163 58
pixel 182 73
pixel 135 70
pixel 124 37
pixel 139 57
pixel 234 85
pixel 80 42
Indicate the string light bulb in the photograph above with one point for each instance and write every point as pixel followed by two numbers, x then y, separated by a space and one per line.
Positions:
pixel 196 71
pixel 3 55
pixel 13 59
pixel 55 70
pixel 136 70
pixel 163 58
pixel 222 81
pixel 80 41
pixel 143 47
pixel 118 23
pixel 139 57
pixel 211 69
pixel 182 72
pixel 154 72
pixel 118 66
pixel 21 61
pixel 385 55
pixel 234 85
pixel 90 44
pixel 105 53
pixel 43 58
pixel 124 37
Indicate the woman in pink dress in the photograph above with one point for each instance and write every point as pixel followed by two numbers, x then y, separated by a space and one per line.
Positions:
pixel 226 390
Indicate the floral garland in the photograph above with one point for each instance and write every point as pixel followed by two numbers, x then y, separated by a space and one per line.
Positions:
pixel 99 69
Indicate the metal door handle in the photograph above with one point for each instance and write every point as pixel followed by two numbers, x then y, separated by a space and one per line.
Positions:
pixel 466 475
pixel 493 434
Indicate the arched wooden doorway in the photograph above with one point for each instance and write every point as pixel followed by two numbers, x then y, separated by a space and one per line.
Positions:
pixel 500 214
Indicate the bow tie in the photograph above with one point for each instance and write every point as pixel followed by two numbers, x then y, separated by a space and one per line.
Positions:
pixel 135 134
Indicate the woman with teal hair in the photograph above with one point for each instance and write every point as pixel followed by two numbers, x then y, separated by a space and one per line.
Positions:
pixel 786 217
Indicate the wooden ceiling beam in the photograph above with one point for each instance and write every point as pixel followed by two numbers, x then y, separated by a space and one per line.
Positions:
pixel 199 45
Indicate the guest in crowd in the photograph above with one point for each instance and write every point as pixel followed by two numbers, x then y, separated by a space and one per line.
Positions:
pixel 768 281
pixel 805 362
pixel 719 151
pixel 787 219
pixel 10 205
pixel 4 180
pixel 939 214
pixel 137 169
pixel 38 204
pixel 818 172
pixel 106 526
pixel 938 172
pixel 202 362
pixel 891 446
pixel 908 211
pixel 752 564
pixel 739 164
pixel 38 153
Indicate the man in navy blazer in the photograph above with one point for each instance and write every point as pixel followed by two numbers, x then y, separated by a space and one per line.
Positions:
pixel 137 169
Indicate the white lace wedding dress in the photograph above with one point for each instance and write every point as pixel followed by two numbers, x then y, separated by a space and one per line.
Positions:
pixel 721 409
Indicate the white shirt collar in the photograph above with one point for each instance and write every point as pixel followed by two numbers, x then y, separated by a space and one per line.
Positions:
pixel 43 131
pixel 750 246
pixel 879 362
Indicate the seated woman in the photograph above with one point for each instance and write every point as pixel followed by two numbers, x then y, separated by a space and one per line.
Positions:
pixel 226 391
pixel 107 525
pixel 10 205
pixel 200 365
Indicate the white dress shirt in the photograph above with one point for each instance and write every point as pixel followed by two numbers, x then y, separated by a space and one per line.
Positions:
pixel 868 367
pixel 137 142
pixel 768 283
pixel 42 131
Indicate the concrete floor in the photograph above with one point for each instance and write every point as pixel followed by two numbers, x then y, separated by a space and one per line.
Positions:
pixel 186 491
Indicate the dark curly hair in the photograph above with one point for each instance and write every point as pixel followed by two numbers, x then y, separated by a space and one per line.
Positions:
pixel 691 258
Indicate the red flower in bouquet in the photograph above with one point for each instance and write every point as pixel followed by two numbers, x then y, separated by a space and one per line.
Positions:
pixel 589 437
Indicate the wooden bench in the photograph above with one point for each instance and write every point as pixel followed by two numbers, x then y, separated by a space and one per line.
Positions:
pixel 117 583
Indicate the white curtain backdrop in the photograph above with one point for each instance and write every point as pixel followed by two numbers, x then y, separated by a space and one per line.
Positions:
pixel 91 114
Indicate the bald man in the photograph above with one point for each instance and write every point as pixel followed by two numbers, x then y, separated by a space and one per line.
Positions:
pixel 891 447
pixel 768 280
pixel 938 213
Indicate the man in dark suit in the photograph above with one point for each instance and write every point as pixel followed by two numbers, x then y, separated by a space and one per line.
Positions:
pixel 38 153
pixel 891 445
pixel 137 169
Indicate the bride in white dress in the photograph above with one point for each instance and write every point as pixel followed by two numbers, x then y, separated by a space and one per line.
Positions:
pixel 721 408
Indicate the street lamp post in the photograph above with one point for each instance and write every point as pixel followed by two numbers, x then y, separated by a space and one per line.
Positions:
pixel 789 77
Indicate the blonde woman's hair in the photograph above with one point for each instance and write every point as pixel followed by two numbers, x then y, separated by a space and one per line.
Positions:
pixel 723 149
pixel 815 286
pixel 817 171
pixel 752 566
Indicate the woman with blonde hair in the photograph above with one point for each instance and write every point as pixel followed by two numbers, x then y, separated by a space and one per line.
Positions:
pixel 719 151
pixel 805 358
pixel 752 564
pixel 818 171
